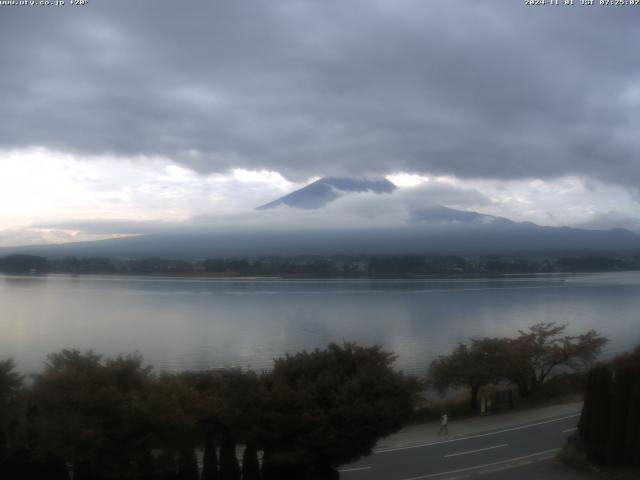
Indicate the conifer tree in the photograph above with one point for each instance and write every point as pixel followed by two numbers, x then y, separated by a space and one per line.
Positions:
pixel 618 418
pixel 250 463
pixel 166 465
pixel 210 459
pixel 10 384
pixel 609 427
pixel 626 410
pixel 597 423
pixel 187 464
pixel 632 440
pixel 229 468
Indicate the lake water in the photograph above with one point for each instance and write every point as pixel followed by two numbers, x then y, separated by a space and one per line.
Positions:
pixel 178 323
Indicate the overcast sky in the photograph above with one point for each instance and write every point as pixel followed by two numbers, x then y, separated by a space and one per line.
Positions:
pixel 123 115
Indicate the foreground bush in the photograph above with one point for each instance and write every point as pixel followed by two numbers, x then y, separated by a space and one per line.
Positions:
pixel 114 419
pixel 326 408
pixel 609 428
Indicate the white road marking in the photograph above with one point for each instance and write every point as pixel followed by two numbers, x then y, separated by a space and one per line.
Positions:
pixel 515 465
pixel 355 469
pixel 570 430
pixel 477 467
pixel 545 458
pixel 421 445
pixel 476 451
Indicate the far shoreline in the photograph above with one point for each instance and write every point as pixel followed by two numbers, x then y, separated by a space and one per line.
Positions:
pixel 240 276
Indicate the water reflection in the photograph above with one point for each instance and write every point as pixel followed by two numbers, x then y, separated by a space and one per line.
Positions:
pixel 202 323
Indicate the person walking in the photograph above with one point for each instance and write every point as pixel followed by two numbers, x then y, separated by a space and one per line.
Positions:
pixel 443 424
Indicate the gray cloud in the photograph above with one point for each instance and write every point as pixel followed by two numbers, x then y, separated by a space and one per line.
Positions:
pixel 613 219
pixel 476 89
pixel 352 210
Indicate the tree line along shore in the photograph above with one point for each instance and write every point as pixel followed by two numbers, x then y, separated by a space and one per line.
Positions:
pixel 329 265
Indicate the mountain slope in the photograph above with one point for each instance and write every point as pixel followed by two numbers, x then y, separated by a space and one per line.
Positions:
pixel 439 214
pixel 321 192
pixel 477 237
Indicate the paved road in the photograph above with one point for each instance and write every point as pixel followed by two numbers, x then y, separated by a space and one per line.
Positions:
pixel 515 452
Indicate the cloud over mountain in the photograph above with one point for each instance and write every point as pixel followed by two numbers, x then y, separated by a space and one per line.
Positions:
pixel 485 89
pixel 122 117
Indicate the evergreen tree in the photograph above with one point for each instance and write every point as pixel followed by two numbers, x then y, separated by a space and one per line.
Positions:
pixel 146 466
pixel 250 463
pixel 166 465
pixel 82 470
pixel 596 425
pixel 10 385
pixel 627 410
pixel 632 440
pixel 609 427
pixel 187 464
pixel 616 435
pixel 586 422
pixel 229 468
pixel 52 468
pixel 19 465
pixel 210 459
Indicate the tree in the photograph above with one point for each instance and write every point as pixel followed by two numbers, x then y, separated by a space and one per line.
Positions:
pixel 10 384
pixel 543 348
pixel 231 401
pixel 609 427
pixel 231 407
pixel 10 380
pixel 173 409
pixel 24 264
pixel 480 363
pixel 167 465
pixel 187 464
pixel 624 428
pixel 92 412
pixel 250 463
pixel 594 421
pixel 229 468
pixel 329 407
pixel 210 458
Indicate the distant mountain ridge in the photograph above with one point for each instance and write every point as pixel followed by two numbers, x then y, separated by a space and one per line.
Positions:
pixel 438 214
pixel 481 236
pixel 319 193
pixel 431 229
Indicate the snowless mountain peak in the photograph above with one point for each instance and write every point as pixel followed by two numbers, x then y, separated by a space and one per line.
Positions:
pixel 319 193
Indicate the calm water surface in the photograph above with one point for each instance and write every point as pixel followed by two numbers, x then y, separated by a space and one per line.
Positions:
pixel 200 323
